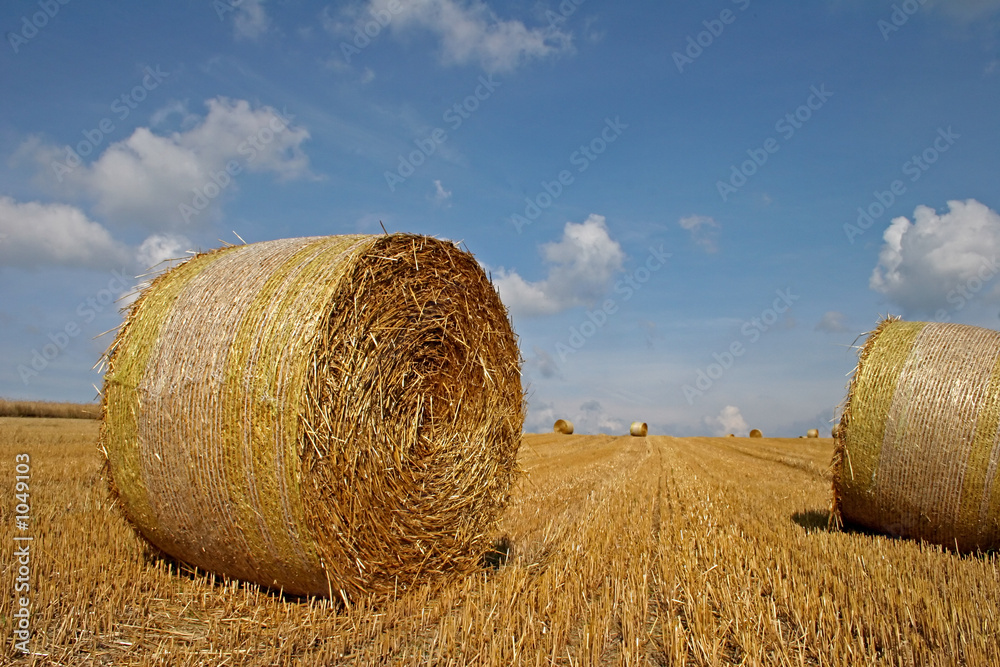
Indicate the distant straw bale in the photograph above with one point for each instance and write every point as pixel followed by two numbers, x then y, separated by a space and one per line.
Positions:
pixel 638 429
pixel 812 433
pixel 563 426
pixel 755 433
pixel 919 444
pixel 329 416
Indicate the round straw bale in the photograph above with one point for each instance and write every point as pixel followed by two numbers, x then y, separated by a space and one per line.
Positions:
pixel 329 416
pixel 755 433
pixel 564 426
pixel 919 442
pixel 638 429
pixel 812 433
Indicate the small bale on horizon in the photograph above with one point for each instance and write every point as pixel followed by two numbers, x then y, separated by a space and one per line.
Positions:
pixel 638 429
pixel 755 433
pixel 563 426
pixel 812 433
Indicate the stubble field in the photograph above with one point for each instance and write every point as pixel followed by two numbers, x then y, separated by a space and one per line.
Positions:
pixel 623 551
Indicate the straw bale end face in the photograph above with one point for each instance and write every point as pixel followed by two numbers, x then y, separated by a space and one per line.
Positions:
pixel 329 416
pixel 918 445
pixel 638 429
pixel 563 426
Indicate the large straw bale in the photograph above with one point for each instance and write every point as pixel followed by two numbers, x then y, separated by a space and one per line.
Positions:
pixel 327 416
pixel 918 446
pixel 638 429
pixel 563 426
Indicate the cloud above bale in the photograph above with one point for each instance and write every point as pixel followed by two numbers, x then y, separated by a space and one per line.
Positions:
pixel 939 261
pixel 38 234
pixel 729 420
pixel 179 179
pixel 581 267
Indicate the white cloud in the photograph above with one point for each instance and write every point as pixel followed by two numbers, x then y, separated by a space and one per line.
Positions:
pixel 832 322
pixel 144 179
pixel 581 267
pixel 729 421
pixel 441 196
pixel 36 234
pixel 704 230
pixel 250 20
pixel 160 248
pixel 470 31
pixel 965 10
pixel 928 264
pixel 540 418
pixel 592 418
pixel 161 117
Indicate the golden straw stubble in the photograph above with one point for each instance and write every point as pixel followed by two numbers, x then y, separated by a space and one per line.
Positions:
pixel 918 446
pixel 327 415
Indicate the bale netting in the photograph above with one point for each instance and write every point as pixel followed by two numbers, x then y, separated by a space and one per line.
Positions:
pixel 755 433
pixel 918 447
pixel 563 426
pixel 331 416
pixel 638 429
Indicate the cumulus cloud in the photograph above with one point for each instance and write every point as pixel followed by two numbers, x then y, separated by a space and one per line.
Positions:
pixel 729 421
pixel 581 267
pixel 180 179
pixel 160 248
pixel 468 31
pixel 594 419
pixel 37 234
pixel 935 261
pixel 832 322
pixel 704 231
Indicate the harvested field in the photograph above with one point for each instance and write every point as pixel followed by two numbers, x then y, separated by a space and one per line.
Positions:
pixel 623 551
pixel 49 409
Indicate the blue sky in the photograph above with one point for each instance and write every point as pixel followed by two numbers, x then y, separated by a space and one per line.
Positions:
pixel 667 195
